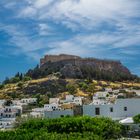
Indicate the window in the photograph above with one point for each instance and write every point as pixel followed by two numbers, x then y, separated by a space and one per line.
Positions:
pixel 111 109
pixel 125 108
pixel 97 111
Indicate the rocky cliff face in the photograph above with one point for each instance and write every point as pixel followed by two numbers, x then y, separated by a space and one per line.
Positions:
pixel 69 66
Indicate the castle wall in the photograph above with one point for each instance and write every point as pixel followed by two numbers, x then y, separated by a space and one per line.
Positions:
pixel 56 58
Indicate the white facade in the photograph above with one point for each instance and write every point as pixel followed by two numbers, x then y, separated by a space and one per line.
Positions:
pixel 121 109
pixel 51 107
pixel 36 114
pixel 6 124
pixel 97 101
pixel 73 100
pixel 29 100
pixel 10 112
pixel 137 92
pixel 2 102
pixel 69 98
pixel 101 94
pixel 17 102
pixel 78 100
pixel 8 116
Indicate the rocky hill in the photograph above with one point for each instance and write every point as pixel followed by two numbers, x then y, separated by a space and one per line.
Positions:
pixel 70 66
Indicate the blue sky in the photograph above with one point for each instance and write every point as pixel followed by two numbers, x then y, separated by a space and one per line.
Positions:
pixel 29 29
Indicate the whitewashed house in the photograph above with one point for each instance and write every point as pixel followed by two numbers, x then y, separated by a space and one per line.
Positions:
pixel 6 124
pixel 8 116
pixel 137 92
pixel 1 112
pixel 121 109
pixel 2 102
pixel 11 111
pixel 69 98
pixel 29 100
pixel 37 113
pixel 101 94
pixel 51 107
pixel 17 102
pixel 97 101
pixel 78 100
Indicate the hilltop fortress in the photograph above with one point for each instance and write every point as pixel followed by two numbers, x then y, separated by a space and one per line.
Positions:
pixel 71 66
pixel 69 58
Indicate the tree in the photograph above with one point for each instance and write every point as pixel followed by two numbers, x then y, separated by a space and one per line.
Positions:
pixel 26 78
pixel 14 80
pixel 72 89
pixel 21 77
pixel 17 75
pixel 6 81
pixel 20 85
pixel 136 118
pixel 1 86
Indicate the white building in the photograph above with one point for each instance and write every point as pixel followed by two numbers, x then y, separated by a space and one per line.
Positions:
pixel 10 112
pixel 17 102
pixel 137 92
pixel 73 100
pixel 6 124
pixel 29 100
pixel 101 94
pixel 121 109
pixel 97 101
pixel 51 107
pixel 69 98
pixel 37 113
pixel 2 102
pixel 8 116
pixel 78 100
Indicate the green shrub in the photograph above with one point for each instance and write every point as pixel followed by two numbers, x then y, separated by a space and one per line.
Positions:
pixel 66 128
pixel 1 86
pixel 136 118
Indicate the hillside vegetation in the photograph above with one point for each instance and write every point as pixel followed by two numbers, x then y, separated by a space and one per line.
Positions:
pixel 83 69
pixel 52 86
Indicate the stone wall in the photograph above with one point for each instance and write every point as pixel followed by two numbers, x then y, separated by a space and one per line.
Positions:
pixel 56 58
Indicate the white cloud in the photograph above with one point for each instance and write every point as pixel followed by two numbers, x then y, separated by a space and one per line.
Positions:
pixel 28 12
pixel 100 24
pixel 87 13
pixel 22 43
pixel 45 29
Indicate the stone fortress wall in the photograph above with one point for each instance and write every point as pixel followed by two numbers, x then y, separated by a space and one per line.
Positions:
pixel 56 58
